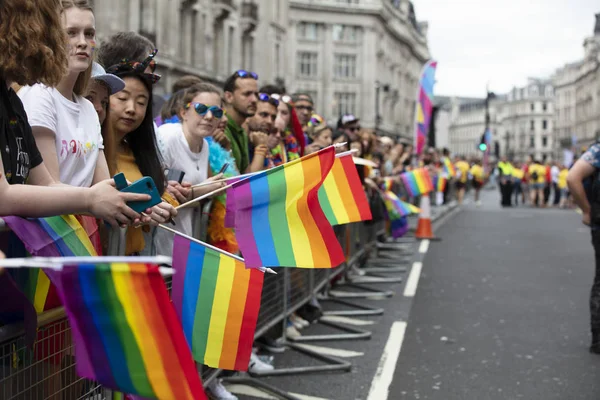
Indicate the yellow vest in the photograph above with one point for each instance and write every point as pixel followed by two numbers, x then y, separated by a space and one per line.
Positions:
pixel 506 168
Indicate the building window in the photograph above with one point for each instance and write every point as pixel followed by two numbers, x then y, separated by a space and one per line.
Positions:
pixel 344 66
pixel 307 64
pixel 532 107
pixel 345 103
pixel 531 141
pixel 532 125
pixel 544 106
pixel 544 141
pixel 345 33
pixel 308 31
pixel 544 124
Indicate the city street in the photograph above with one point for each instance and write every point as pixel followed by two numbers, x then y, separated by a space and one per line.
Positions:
pixel 500 312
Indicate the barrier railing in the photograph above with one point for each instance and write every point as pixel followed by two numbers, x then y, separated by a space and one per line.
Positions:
pixel 47 371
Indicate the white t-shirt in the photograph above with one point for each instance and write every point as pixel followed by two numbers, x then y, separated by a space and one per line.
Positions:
pixel 177 155
pixel 77 130
pixel 554 171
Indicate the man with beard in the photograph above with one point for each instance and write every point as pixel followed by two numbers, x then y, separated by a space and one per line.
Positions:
pixel 260 127
pixel 240 95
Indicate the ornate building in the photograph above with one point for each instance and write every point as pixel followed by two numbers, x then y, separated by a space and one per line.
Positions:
pixel 350 54
pixel 361 57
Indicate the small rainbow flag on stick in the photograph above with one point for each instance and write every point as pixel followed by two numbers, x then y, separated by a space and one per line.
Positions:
pixel 396 206
pixel 417 182
pixel 342 196
pixel 278 218
pixel 218 301
pixel 60 236
pixel 127 335
pixel 449 167
pixel 439 182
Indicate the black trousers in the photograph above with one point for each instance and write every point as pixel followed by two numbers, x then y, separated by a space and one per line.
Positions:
pixel 546 193
pixel 556 194
pixel 506 191
pixel 595 292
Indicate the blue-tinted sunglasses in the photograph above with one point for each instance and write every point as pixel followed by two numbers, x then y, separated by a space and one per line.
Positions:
pixel 265 97
pixel 242 73
pixel 202 109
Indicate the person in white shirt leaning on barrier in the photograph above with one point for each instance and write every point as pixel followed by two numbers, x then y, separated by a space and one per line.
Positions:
pixel 27 61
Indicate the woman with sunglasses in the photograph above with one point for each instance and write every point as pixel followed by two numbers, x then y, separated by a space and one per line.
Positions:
pixel 187 150
pixel 136 149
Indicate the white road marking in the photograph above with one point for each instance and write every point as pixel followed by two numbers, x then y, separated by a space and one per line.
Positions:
pixel 424 246
pixel 413 279
pixel 245 390
pixel 387 364
pixel 346 320
pixel 329 351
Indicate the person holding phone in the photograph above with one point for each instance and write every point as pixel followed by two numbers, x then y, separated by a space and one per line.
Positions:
pixel 27 187
pixel 187 150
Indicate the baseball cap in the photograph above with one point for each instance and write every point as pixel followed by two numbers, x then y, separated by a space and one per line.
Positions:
pixel 346 119
pixel 113 82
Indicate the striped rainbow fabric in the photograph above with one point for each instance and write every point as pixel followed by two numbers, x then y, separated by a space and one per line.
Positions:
pixel 278 218
pixel 396 206
pixel 60 236
pixel 417 182
pixel 218 301
pixel 342 196
pixel 449 167
pixel 439 182
pixel 127 335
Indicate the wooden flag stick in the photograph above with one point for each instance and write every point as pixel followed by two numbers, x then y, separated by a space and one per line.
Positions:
pixel 218 250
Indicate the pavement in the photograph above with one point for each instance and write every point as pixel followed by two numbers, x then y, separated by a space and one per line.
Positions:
pixel 498 309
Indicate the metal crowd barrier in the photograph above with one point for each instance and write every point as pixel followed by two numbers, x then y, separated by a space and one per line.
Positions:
pixel 48 370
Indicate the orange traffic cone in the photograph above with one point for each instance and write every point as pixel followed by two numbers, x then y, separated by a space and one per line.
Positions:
pixel 424 230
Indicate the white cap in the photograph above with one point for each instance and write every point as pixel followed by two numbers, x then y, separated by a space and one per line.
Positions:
pixel 113 82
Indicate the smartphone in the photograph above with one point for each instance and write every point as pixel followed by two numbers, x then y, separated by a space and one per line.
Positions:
pixel 175 175
pixel 145 185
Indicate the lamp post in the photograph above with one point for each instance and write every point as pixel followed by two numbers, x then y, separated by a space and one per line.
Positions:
pixel 377 117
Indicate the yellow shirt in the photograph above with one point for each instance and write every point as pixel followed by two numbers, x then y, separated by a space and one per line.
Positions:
pixel 518 173
pixel 562 178
pixel 477 172
pixel 541 173
pixel 463 167
pixel 135 242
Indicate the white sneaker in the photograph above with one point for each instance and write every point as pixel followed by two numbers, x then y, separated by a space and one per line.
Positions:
pixel 478 203
pixel 256 365
pixel 216 391
pixel 292 332
pixel 298 322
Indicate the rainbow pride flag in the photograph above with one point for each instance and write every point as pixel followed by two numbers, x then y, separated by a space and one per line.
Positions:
pixel 387 184
pixel 396 206
pixel 60 236
pixel 218 301
pixel 278 218
pixel 127 335
pixel 424 105
pixel 449 167
pixel 439 182
pixel 342 196
pixel 417 182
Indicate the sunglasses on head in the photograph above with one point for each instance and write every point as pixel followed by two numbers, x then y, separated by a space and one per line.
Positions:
pixel 242 73
pixel 126 66
pixel 265 97
pixel 203 109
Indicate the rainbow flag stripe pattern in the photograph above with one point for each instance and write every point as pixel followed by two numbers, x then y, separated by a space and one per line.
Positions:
pixel 396 206
pixel 417 182
pixel 449 167
pixel 387 184
pixel 218 301
pixel 278 218
pixel 424 105
pixel 439 182
pixel 342 196
pixel 60 236
pixel 126 333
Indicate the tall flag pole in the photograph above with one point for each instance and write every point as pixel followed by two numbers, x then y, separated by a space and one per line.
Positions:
pixel 424 105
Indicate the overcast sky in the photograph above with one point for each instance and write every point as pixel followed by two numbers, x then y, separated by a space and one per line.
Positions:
pixel 502 41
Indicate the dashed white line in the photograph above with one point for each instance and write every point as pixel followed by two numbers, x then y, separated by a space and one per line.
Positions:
pixel 387 364
pixel 413 279
pixel 424 246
